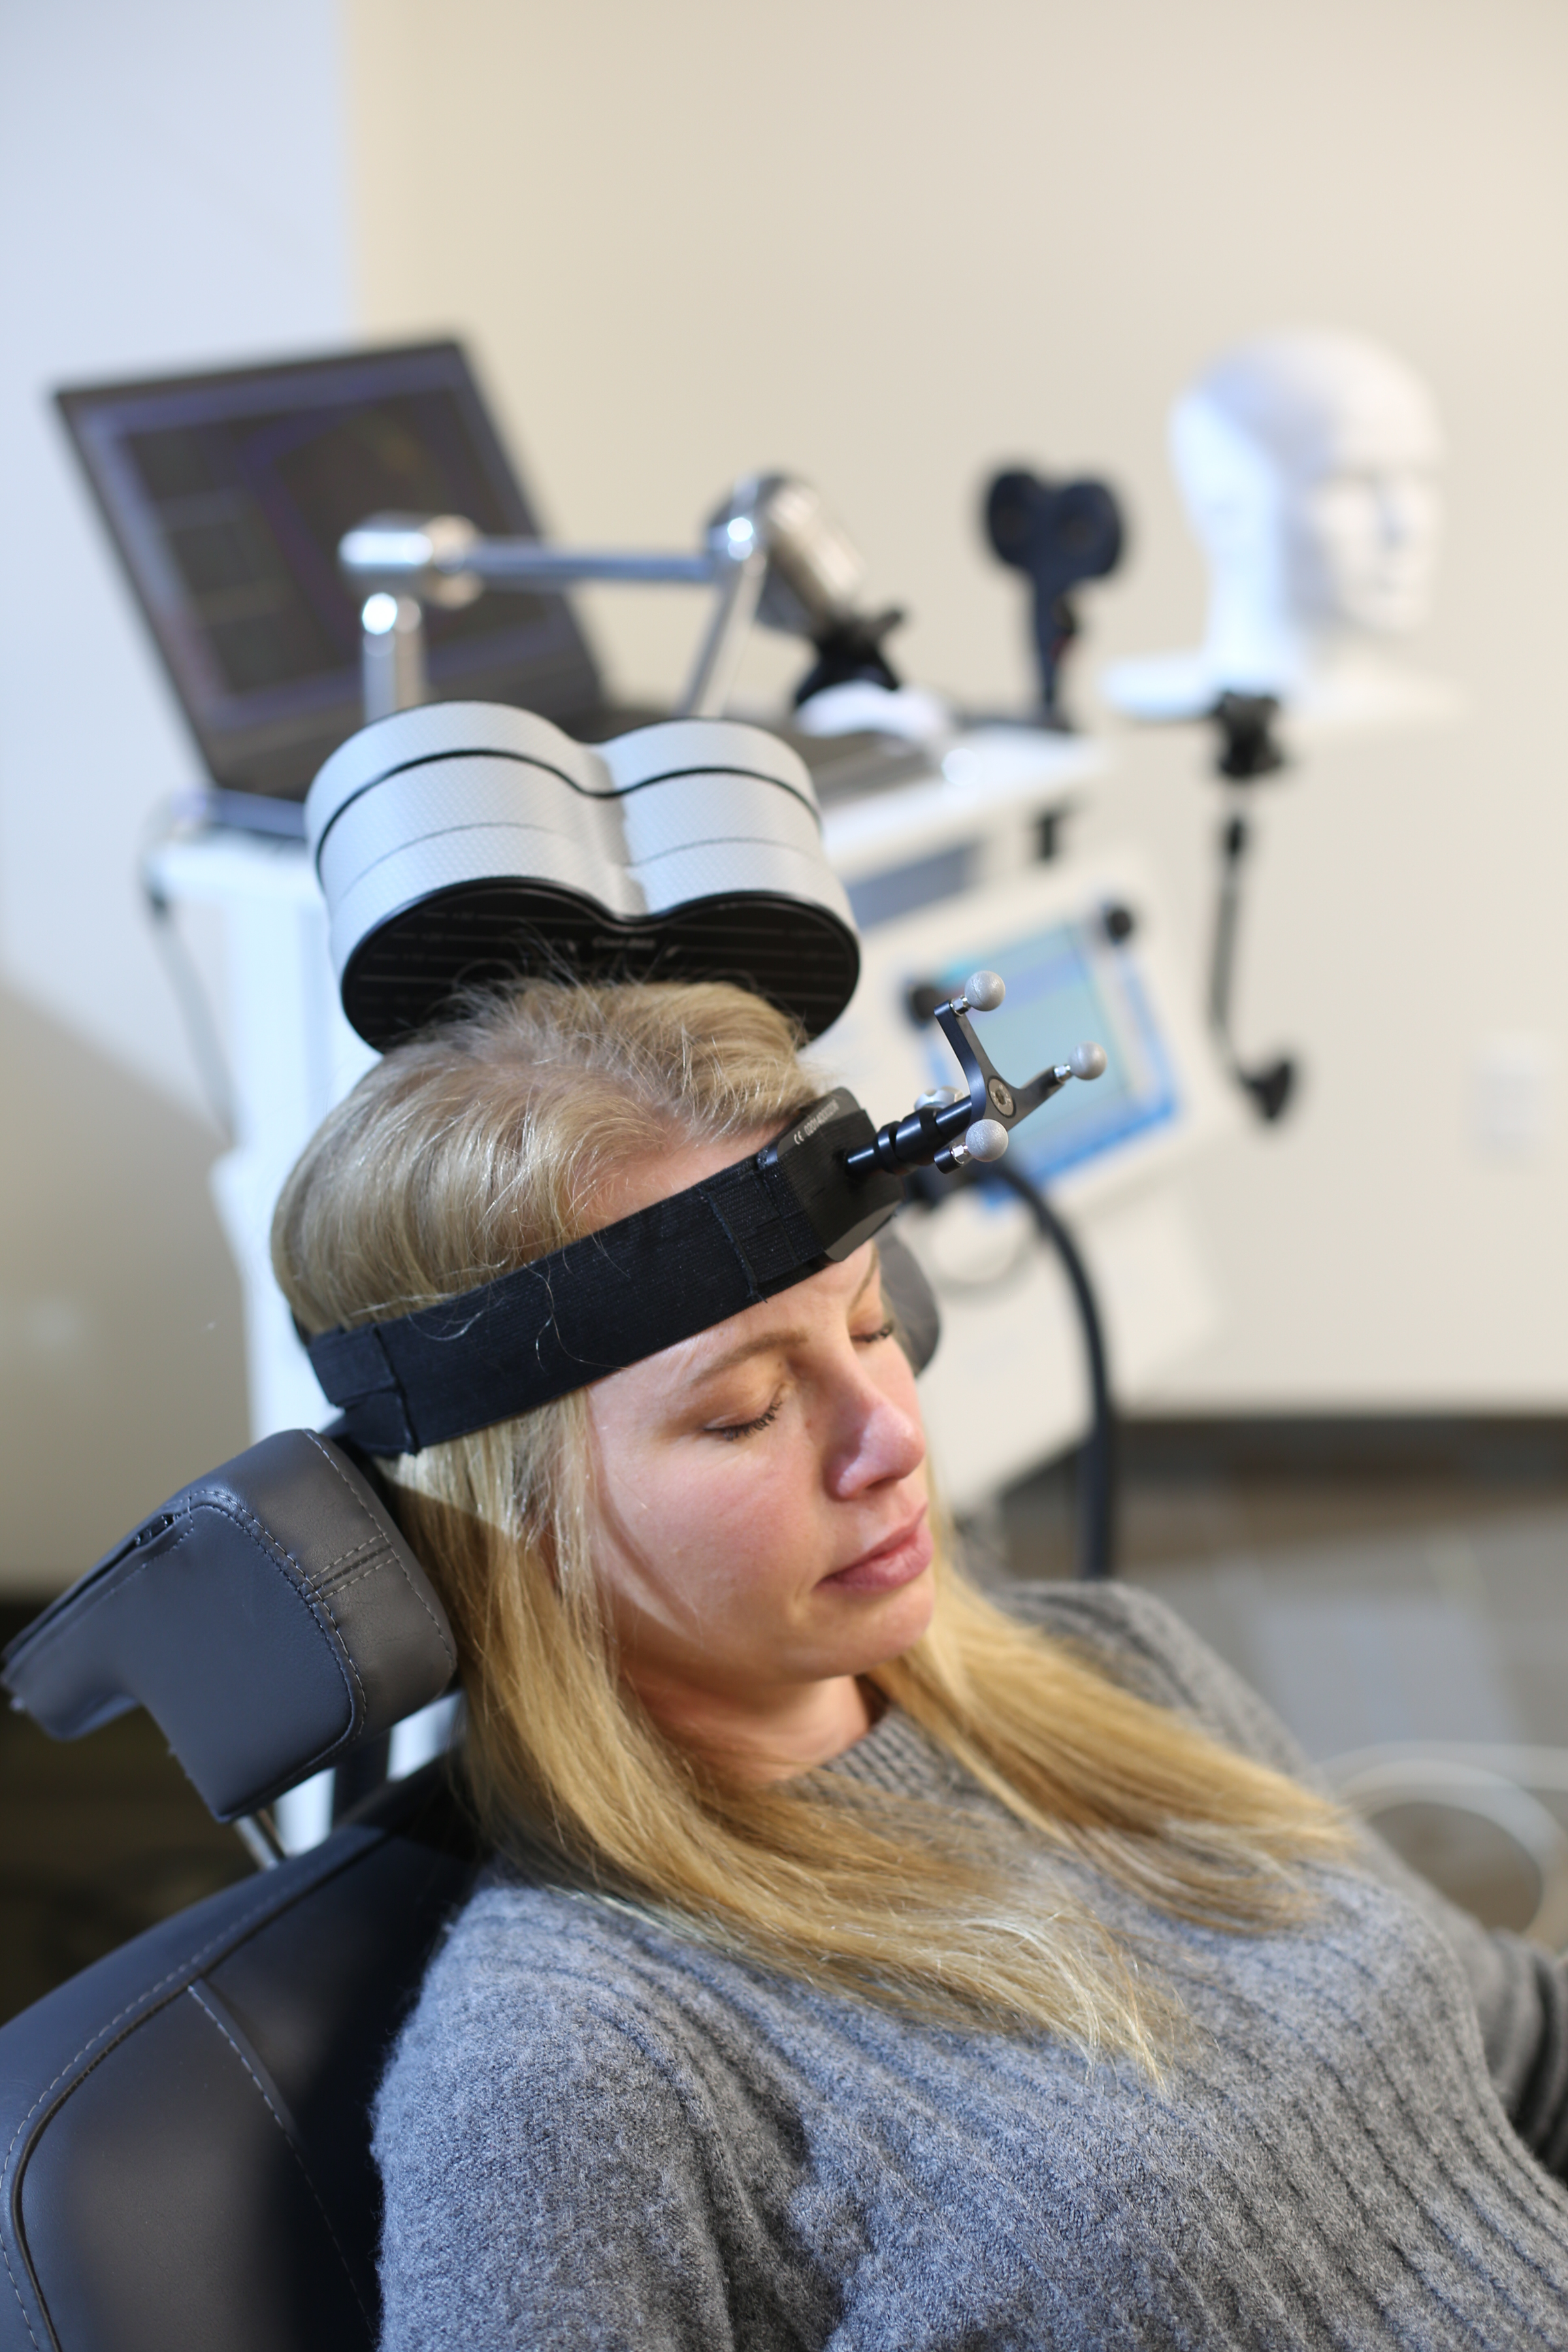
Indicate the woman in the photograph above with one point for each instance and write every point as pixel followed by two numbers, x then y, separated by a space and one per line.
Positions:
pixel 860 1965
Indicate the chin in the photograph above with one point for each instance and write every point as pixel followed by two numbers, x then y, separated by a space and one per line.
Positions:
pixel 892 1624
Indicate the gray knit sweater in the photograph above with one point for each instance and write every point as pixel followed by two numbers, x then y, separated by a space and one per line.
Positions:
pixel 595 2134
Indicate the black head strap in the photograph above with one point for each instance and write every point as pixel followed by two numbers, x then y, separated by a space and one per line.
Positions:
pixel 613 1297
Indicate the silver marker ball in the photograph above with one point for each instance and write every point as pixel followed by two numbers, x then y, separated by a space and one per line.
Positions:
pixel 939 1099
pixel 987 1138
pixel 1086 1061
pixel 984 991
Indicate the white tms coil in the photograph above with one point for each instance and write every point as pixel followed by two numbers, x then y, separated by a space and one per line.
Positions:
pixel 464 843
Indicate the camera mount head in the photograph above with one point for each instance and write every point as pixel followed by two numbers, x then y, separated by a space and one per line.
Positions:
pixel 1058 534
pixel 811 588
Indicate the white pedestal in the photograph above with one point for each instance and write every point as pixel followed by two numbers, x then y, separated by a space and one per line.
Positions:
pixel 291 1056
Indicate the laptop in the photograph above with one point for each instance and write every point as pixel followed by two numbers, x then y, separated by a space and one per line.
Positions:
pixel 226 495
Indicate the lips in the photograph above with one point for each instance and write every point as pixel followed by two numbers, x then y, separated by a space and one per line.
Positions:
pixel 902 1557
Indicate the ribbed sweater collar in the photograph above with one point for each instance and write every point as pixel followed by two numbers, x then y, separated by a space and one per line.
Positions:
pixel 898 1755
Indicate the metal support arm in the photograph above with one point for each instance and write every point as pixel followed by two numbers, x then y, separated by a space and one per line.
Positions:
pixel 401 563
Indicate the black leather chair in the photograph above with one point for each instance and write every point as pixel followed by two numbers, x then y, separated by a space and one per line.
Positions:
pixel 185 2125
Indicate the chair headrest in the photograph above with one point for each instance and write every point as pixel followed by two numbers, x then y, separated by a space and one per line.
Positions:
pixel 269 1617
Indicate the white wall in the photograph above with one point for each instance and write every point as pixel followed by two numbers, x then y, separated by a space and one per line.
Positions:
pixel 172 194
pixel 889 244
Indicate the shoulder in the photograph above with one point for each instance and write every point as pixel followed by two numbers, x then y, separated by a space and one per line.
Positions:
pixel 563 2138
pixel 1137 1640
pixel 549 2062
pixel 551 2019
pixel 532 1991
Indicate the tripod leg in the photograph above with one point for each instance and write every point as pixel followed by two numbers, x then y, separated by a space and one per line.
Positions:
pixel 1234 844
pixel 1271 1085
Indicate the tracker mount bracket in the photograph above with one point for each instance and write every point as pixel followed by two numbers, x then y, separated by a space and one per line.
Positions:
pixel 950 1127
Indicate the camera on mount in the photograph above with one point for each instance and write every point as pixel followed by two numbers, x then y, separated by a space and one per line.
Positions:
pixel 812 583
pixel 1058 534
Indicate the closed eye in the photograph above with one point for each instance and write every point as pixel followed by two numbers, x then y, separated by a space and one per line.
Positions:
pixel 731 1431
pixel 734 1429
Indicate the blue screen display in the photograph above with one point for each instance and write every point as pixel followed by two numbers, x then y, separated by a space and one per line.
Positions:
pixel 1067 982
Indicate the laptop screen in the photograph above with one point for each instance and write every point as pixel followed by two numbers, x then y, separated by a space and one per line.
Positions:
pixel 226 496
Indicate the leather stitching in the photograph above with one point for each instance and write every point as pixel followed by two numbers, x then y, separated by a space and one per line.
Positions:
pixel 434 1621
pixel 314 1600
pixel 375 1568
pixel 355 1551
pixel 289 2141
pixel 17 2293
pixel 141 2003
pixel 267 1543
pixel 361 1566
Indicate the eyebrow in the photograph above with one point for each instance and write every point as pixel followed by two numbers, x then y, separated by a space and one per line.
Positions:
pixel 769 1340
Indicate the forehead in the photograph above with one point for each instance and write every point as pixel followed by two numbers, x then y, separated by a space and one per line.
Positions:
pixel 822 1299
pixel 1365 418
pixel 805 1312
pixel 1381 436
pixel 671 1166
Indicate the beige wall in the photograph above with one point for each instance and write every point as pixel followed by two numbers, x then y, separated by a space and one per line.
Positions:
pixel 888 244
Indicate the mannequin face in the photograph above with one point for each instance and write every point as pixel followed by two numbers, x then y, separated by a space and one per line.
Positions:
pixel 1364 546
pixel 760 1513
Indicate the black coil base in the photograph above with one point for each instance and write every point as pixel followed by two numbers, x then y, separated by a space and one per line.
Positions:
pixel 482 934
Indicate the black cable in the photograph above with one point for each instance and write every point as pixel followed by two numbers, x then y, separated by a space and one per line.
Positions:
pixel 1096 1456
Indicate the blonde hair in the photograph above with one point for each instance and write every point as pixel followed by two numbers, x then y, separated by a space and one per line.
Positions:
pixel 485 1144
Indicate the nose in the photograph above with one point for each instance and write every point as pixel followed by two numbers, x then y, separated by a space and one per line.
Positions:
pixel 1393 514
pixel 877 1437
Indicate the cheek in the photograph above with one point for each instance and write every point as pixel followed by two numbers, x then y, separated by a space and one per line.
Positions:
pixel 693 1525
pixel 1343 523
pixel 742 1510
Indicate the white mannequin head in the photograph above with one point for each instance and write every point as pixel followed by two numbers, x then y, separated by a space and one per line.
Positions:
pixel 1308 463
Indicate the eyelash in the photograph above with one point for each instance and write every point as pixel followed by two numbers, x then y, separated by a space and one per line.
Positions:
pixel 766 1420
pixel 748 1428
